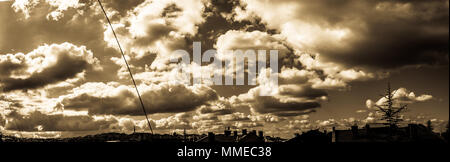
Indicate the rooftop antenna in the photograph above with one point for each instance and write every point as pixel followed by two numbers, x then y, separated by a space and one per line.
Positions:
pixel 126 63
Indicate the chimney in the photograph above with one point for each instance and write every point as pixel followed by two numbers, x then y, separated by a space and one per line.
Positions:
pixel 227 132
pixel 235 133
pixel 412 131
pixel 429 127
pixel 367 127
pixel 355 131
pixel 184 134
pixel 211 137
pixel 244 131
pixel 333 135
pixel 261 134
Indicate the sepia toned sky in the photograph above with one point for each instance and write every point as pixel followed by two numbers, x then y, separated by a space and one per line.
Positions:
pixel 62 75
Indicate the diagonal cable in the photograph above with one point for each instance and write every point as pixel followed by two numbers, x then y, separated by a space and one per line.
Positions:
pixel 129 70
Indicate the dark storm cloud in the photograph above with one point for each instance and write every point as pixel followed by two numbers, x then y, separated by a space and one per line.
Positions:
pixel 223 6
pixel 301 91
pixel 164 98
pixel 81 26
pixel 273 105
pixel 122 6
pixel 155 32
pixel 392 37
pixel 392 40
pixel 2 121
pixel 210 110
pixel 10 103
pixel 382 34
pixel 177 98
pixel 69 60
pixel 57 122
pixel 171 11
pixel 6 67
pixel 216 24
pixel 61 71
pixel 104 105
pixel 293 114
pixel 291 100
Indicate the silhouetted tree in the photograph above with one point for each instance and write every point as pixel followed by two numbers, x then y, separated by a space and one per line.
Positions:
pixel 389 111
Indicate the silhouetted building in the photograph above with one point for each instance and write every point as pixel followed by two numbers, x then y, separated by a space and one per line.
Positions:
pixel 252 137
pixel 312 136
pixel 384 133
pixel 227 132
pixel 244 131
pixel 217 138
pixel 227 137
pixel 274 139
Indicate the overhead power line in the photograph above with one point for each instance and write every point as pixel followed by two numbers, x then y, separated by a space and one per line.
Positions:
pixel 126 63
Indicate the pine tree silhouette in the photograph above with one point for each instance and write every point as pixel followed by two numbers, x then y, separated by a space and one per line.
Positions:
pixel 389 111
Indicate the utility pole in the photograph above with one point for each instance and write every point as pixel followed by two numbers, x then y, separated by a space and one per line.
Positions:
pixel 184 134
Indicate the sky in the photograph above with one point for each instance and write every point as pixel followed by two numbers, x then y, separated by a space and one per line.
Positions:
pixel 62 75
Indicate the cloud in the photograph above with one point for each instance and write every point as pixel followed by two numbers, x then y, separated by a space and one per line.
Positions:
pixel 265 118
pixel 301 85
pixel 289 100
pixel 177 121
pixel 375 34
pixel 100 98
pixel 122 6
pixel 56 7
pixel 157 27
pixel 237 116
pixel 2 121
pixel 296 67
pixel 222 106
pixel 401 96
pixel 331 75
pixel 255 40
pixel 48 64
pixel 61 6
pixel 37 121
pixel 405 96
pixel 24 6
